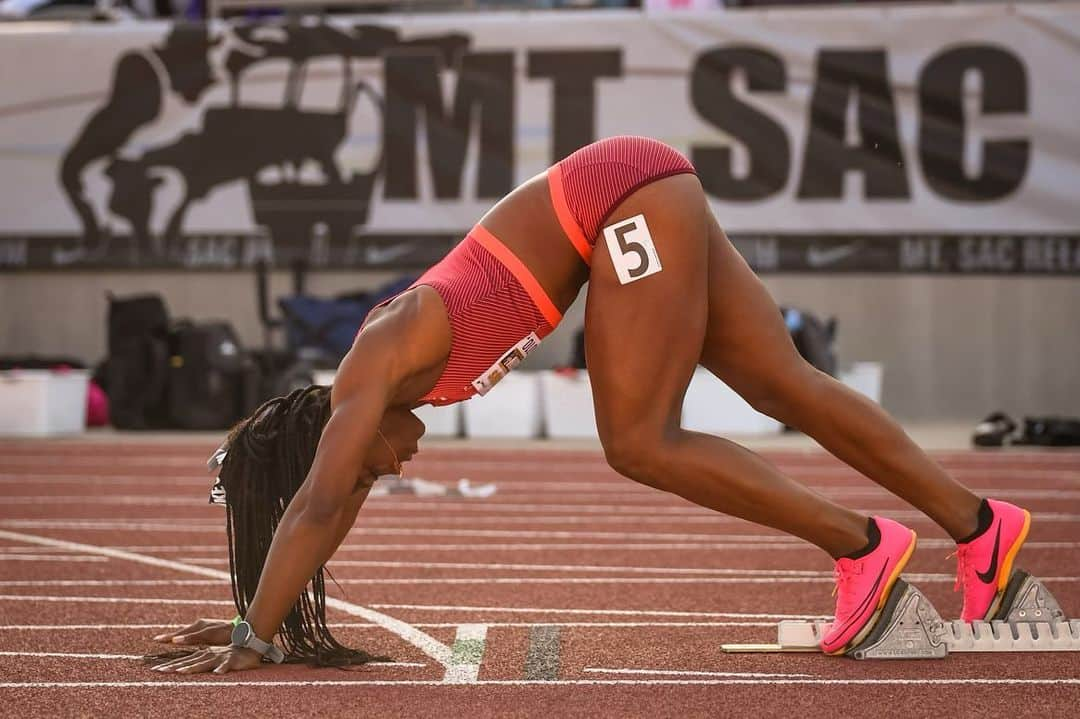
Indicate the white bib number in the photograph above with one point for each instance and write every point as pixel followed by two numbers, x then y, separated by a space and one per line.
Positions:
pixel 632 251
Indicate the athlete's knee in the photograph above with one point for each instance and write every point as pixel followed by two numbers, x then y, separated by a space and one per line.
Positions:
pixel 637 454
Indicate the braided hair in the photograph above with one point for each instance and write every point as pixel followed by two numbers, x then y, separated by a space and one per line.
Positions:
pixel 269 455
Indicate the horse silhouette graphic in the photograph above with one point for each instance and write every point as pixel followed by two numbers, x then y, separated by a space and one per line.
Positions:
pixel 263 147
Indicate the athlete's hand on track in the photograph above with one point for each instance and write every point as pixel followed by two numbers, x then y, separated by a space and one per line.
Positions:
pixel 214 632
pixel 219 660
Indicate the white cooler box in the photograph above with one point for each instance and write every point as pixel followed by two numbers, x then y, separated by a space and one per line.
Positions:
pixel 43 403
pixel 713 407
pixel 511 409
pixel 865 378
pixel 568 405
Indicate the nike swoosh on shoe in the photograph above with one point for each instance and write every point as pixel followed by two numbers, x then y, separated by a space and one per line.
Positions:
pixel 987 577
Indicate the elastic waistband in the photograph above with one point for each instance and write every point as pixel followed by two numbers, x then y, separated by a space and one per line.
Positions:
pixel 569 225
pixel 517 268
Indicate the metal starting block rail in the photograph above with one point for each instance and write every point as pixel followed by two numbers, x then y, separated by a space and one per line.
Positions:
pixel 1030 620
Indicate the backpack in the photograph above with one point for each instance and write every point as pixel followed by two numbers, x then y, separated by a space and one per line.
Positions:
pixel 813 338
pixel 213 382
pixel 137 367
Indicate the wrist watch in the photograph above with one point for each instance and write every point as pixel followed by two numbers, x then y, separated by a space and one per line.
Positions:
pixel 244 636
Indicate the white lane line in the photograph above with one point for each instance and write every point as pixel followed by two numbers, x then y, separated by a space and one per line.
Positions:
pixel 779 544
pixel 613 569
pixel 70 655
pixel 645 517
pixel 112 600
pixel 488 566
pixel 810 462
pixel 749 543
pixel 452 581
pixel 605 612
pixel 140 525
pixel 112 462
pixel 83 480
pixel 263 684
pixel 79 655
pixel 518 501
pixel 689 673
pixel 422 641
pixel 424 505
pixel 420 625
pixel 428 518
pixel 85 627
pixel 510 548
pixel 819 466
pixel 173 526
pixel 110 583
pixel 719 581
pixel 144 499
pixel 49 558
pixel 201 525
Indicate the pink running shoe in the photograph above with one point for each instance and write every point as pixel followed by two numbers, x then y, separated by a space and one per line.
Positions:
pixel 863 586
pixel 984 564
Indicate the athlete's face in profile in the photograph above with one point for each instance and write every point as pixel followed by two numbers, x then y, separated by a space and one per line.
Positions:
pixel 402 430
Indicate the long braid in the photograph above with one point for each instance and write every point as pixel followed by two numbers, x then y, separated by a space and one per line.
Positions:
pixel 269 455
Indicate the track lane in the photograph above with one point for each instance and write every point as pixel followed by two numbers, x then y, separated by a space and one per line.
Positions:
pixel 649 645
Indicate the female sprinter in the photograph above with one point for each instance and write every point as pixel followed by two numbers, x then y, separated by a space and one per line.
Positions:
pixel 667 291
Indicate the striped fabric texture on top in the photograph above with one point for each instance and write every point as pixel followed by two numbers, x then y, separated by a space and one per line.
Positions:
pixel 490 313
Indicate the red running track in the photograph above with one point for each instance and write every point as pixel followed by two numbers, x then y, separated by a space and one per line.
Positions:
pixel 571 592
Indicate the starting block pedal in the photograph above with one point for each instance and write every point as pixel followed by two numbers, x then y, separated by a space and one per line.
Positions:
pixel 1030 620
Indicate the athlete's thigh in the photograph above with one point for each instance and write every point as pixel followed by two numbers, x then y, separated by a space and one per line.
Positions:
pixel 747 344
pixel 643 337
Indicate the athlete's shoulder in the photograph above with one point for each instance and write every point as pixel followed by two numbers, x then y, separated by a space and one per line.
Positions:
pixel 413 309
pixel 415 324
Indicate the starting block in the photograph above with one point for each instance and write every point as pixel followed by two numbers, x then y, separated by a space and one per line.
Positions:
pixel 1030 620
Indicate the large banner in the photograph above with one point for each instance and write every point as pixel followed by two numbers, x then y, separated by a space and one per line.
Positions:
pixel 921 139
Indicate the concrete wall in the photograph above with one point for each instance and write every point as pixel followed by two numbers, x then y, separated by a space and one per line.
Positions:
pixel 953 347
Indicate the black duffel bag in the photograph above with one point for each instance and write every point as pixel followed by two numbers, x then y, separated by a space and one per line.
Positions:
pixel 999 430
pixel 1051 432
pixel 213 381
pixel 137 369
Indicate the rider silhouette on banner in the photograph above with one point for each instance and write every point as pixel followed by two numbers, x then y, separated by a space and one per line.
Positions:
pixel 147 129
pixel 147 86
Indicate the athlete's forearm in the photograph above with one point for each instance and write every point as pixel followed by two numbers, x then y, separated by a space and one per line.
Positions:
pixel 317 519
pixel 301 545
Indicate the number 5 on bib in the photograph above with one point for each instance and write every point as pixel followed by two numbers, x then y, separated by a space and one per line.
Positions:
pixel 632 250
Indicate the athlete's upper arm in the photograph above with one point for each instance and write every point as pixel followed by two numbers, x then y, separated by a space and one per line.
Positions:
pixel 401 342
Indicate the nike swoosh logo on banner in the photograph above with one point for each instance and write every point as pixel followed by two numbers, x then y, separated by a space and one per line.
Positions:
pixel 988 576
pixel 858 612
pixel 820 257
pixel 380 255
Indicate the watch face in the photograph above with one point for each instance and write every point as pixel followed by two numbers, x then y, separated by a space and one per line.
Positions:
pixel 240 634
